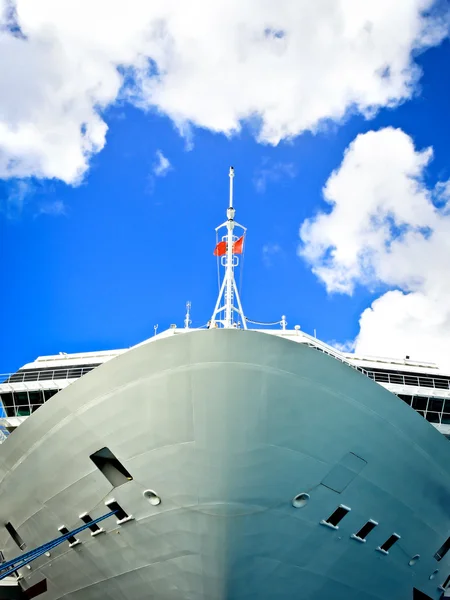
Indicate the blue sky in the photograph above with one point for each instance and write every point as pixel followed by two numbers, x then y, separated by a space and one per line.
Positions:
pixel 97 264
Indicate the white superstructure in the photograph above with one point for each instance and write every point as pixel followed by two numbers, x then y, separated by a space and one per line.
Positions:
pixel 422 385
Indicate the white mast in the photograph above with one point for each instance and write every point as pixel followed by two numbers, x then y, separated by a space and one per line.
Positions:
pixel 228 293
pixel 187 319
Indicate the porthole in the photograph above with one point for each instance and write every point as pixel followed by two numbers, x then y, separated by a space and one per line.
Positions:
pixel 414 559
pixel 433 574
pixel 152 497
pixel 300 500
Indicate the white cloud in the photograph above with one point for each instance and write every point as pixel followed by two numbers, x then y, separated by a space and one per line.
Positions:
pixel 16 198
pixel 162 165
pixel 387 227
pixel 272 172
pixel 56 208
pixel 284 66
pixel 377 197
pixel 415 324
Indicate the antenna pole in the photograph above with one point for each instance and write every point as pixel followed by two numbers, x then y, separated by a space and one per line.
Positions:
pixel 229 266
pixel 231 176
pixel 187 319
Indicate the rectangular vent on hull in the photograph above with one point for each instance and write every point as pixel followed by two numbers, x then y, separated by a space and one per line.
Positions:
pixel 384 548
pixel 446 585
pixel 71 539
pixel 111 467
pixel 336 517
pixel 364 531
pixel 95 529
pixel 443 550
pixel 15 536
pixel 122 516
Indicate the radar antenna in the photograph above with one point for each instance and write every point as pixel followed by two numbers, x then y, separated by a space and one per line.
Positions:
pixel 228 301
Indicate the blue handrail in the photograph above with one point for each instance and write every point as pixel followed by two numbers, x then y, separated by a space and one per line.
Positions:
pixel 24 559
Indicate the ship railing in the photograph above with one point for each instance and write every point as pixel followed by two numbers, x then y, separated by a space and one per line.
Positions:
pixel 438 383
pixel 326 349
pixel 441 383
pixel 45 374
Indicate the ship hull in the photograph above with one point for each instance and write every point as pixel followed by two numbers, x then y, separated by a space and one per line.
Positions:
pixel 227 427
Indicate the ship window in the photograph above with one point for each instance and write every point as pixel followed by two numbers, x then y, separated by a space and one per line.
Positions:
pixel 15 535
pixel 435 404
pixel 446 413
pixel 366 529
pixel 36 400
pixel 420 403
pixel 8 404
pixel 446 583
pixel 389 543
pixel 22 405
pixel 443 550
pixel 111 467
pixel 432 417
pixel 405 398
pixel 337 516
pixel 49 393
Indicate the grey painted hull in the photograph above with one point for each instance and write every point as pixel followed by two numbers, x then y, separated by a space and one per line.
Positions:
pixel 228 426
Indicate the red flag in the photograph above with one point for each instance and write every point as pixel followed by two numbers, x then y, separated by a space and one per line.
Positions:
pixel 238 245
pixel 220 249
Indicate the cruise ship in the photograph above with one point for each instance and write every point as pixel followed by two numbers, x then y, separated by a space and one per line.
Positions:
pixel 225 463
